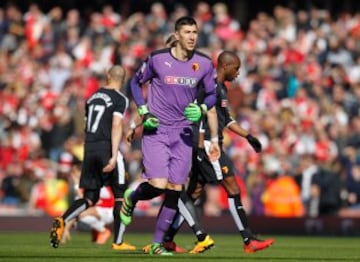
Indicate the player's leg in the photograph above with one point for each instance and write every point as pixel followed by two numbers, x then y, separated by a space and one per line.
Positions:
pixel 187 210
pixel 66 236
pixel 179 164
pixel 205 172
pixel 93 217
pixel 164 220
pixel 77 207
pixel 118 186
pixel 90 180
pixel 155 161
pixel 251 243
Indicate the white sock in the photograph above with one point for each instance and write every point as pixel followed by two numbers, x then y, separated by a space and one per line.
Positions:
pixel 233 210
pixel 119 239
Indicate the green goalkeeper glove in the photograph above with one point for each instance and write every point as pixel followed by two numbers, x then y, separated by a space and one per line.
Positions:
pixel 150 122
pixel 194 112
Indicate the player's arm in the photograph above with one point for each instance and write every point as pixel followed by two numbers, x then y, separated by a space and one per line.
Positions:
pixel 135 122
pixel 212 120
pixel 144 74
pixel 210 89
pixel 237 129
pixel 195 111
pixel 200 151
pixel 116 133
pixel 201 135
pixel 136 90
pixel 214 150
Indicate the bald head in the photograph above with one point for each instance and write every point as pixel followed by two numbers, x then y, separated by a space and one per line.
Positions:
pixel 116 74
pixel 228 65
pixel 228 57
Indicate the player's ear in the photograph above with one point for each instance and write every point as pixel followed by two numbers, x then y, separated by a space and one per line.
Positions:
pixel 177 36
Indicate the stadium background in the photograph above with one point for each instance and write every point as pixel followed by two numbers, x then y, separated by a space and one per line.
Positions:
pixel 317 125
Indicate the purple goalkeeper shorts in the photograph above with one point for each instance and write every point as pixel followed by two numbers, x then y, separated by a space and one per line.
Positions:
pixel 167 153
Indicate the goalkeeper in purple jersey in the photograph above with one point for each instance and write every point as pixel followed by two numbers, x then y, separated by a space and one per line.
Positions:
pixel 176 76
pixel 204 171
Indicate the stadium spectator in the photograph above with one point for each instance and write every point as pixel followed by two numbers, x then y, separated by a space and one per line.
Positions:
pixel 263 46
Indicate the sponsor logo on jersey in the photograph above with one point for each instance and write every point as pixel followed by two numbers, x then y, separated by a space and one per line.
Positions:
pixel 195 66
pixel 179 80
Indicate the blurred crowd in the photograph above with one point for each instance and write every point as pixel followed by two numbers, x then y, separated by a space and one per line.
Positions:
pixel 298 92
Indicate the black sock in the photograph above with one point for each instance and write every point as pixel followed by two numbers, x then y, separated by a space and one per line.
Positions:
pixel 238 213
pixel 166 215
pixel 75 209
pixel 117 232
pixel 174 227
pixel 145 191
pixel 188 211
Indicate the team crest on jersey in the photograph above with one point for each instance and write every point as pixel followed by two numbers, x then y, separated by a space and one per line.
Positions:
pixel 224 169
pixel 195 66
pixel 180 80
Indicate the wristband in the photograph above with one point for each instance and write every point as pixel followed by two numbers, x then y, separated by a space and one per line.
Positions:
pixel 203 108
pixel 214 139
pixel 132 124
pixel 142 110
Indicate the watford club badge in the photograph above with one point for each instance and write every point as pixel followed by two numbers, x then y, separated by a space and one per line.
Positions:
pixel 224 169
pixel 195 66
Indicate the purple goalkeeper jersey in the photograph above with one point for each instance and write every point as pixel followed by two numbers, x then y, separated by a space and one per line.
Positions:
pixel 174 84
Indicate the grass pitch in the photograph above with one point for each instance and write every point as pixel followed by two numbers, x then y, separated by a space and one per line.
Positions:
pixel 31 247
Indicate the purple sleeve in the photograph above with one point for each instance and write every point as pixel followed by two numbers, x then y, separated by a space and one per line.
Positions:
pixel 143 74
pixel 210 88
pixel 136 91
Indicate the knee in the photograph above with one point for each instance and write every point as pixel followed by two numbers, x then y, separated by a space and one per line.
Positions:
pixel 171 198
pixel 231 186
pixel 160 183
pixel 92 197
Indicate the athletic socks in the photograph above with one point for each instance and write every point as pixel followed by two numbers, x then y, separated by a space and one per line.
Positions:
pixel 75 209
pixel 238 213
pixel 188 211
pixel 174 228
pixel 119 228
pixel 145 191
pixel 166 214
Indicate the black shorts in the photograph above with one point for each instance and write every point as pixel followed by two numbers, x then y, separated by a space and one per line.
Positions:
pixel 205 172
pixel 92 177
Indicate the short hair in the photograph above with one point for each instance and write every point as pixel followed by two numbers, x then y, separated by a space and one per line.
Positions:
pixel 184 20
pixel 116 73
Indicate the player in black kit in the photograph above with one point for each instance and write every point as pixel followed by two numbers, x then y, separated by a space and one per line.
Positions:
pixel 104 112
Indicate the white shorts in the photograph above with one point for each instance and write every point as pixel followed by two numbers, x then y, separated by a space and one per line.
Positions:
pixel 105 214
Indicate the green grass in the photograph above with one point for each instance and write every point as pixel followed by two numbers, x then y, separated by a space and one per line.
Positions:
pixel 35 247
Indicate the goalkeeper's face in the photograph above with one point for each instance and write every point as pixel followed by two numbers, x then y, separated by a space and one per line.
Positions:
pixel 187 36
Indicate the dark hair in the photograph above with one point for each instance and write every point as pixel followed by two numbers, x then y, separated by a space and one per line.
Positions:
pixel 185 20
